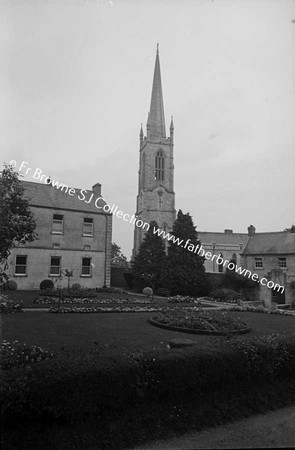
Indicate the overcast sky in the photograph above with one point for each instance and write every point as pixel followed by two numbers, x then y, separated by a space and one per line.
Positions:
pixel 76 79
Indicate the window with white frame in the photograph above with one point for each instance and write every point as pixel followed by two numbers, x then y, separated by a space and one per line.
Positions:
pixel 282 263
pixel 258 264
pixel 57 224
pixel 20 265
pixel 87 227
pixel 86 267
pixel 55 266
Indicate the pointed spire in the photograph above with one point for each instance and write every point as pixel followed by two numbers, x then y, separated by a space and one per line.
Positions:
pixel 171 124
pixel 141 132
pixel 156 120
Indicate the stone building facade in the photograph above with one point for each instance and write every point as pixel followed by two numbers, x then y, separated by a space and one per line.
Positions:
pixel 272 256
pixel 156 197
pixel 72 234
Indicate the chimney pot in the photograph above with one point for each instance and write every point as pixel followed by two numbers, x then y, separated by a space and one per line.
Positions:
pixel 251 230
pixel 97 188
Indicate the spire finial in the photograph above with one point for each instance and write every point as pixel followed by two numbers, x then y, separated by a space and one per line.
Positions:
pixel 157 47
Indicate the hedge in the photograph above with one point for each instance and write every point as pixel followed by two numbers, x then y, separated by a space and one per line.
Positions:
pixel 77 389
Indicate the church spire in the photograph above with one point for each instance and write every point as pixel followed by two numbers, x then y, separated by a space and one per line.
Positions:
pixel 156 120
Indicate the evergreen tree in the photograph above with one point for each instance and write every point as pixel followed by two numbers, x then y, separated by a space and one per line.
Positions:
pixel 185 269
pixel 149 264
pixel 17 223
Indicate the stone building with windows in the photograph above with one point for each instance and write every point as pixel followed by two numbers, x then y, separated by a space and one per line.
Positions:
pixel 272 255
pixel 74 233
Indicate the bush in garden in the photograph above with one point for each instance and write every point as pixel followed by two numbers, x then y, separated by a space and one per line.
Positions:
pixel 76 286
pixel 10 285
pixel 9 306
pixel 226 295
pixel 147 291
pixel 46 284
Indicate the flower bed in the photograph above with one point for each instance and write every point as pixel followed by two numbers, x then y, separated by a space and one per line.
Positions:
pixel 181 299
pixel 105 309
pixel 80 292
pixel 198 321
pixel 108 301
pixel 15 354
pixel 9 306
pixel 259 309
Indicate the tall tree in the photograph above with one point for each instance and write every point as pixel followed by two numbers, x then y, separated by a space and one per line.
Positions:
pixel 148 265
pixel 118 259
pixel 17 223
pixel 185 269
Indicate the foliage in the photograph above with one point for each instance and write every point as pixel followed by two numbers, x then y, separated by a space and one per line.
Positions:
pixel 226 295
pixel 238 282
pixel 10 285
pixel 77 387
pixel 9 306
pixel 200 320
pixel 76 286
pixel 181 299
pixel 15 354
pixel 103 309
pixel 148 266
pixel 105 301
pixel 46 284
pixel 118 259
pixel 185 269
pixel 17 223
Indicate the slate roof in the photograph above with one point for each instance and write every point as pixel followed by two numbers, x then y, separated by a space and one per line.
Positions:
pixel 279 242
pixel 208 237
pixel 46 196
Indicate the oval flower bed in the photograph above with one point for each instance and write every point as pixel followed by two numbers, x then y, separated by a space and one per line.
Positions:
pixel 199 322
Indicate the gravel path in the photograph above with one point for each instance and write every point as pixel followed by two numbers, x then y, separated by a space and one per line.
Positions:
pixel 272 430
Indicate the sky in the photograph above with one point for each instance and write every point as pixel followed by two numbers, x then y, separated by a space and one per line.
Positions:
pixel 75 85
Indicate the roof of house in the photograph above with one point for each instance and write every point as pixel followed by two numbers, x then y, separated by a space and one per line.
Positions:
pixel 207 237
pixel 278 242
pixel 47 196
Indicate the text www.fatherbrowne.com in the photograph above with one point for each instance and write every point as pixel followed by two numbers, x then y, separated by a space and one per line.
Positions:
pixel 198 249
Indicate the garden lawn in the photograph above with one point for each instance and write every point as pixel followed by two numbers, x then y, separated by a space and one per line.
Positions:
pixel 130 330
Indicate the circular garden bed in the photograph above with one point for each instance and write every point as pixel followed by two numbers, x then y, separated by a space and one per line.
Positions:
pixel 199 322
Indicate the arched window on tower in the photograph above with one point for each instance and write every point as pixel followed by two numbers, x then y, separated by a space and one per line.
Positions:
pixel 159 166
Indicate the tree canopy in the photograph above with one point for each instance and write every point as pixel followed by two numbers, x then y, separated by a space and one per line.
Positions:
pixel 148 266
pixel 186 271
pixel 17 223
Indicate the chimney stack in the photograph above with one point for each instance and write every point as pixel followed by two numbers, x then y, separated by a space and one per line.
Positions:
pixel 251 230
pixel 227 231
pixel 97 188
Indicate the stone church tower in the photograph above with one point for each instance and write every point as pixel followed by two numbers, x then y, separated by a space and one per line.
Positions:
pixel 156 198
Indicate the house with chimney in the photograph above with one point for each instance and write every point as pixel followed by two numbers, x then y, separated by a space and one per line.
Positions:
pixel 73 235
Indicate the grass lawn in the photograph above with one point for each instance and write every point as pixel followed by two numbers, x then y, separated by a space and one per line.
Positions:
pixel 129 330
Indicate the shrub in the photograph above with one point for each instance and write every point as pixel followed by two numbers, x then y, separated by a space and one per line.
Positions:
pixel 46 284
pixel 76 286
pixel 9 306
pixel 11 285
pixel 15 354
pixel 147 291
pixel 226 295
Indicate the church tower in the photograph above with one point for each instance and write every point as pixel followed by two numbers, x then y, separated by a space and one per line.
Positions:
pixel 156 198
